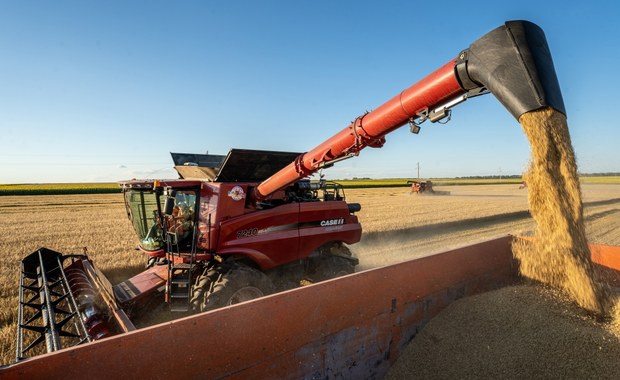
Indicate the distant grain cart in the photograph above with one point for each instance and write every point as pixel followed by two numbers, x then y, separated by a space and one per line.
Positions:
pixel 424 187
pixel 420 187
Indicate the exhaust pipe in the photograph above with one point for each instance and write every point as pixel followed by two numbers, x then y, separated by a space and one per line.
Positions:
pixel 514 63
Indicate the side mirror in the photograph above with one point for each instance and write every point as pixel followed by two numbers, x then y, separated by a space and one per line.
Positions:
pixel 169 205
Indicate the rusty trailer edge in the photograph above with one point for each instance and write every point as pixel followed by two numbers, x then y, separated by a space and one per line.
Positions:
pixel 351 327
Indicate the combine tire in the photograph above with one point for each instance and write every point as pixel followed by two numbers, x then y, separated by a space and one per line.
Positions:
pixel 329 267
pixel 237 283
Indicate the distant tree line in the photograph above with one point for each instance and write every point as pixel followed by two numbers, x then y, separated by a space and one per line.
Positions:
pixel 607 174
pixel 491 176
pixel 497 176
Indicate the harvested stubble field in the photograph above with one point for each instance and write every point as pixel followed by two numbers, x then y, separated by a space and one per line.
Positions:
pixel 397 227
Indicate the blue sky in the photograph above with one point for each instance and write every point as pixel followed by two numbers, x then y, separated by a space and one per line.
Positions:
pixel 103 91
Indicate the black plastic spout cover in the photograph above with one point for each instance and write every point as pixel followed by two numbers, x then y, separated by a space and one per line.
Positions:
pixel 514 63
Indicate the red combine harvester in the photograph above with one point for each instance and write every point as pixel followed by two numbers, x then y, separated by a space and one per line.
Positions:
pixel 241 226
pixel 221 245
pixel 420 187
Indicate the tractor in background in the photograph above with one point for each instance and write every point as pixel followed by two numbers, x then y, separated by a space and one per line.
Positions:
pixel 418 187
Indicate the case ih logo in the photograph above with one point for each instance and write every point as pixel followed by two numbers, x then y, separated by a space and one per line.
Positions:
pixel 236 193
pixel 332 222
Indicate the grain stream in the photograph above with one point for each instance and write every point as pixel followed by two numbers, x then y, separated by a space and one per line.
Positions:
pixel 559 256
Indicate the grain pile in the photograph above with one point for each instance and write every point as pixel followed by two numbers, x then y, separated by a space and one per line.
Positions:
pixel 519 332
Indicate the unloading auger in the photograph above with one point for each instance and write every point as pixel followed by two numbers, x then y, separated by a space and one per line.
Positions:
pixel 513 62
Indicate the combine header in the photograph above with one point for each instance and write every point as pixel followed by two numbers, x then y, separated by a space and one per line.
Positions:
pixel 244 225
pixel 64 301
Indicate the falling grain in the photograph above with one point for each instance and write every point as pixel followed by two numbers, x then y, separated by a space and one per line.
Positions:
pixel 559 256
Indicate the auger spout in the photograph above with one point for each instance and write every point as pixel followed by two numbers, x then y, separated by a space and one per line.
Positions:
pixel 514 63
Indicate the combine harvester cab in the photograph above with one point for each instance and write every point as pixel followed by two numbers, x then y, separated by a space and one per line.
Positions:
pixel 352 327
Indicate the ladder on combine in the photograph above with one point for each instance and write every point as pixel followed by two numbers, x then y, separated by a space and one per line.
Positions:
pixel 48 313
pixel 180 268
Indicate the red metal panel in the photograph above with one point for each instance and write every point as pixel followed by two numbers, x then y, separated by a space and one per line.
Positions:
pixel 207 218
pixel 231 201
pixel 351 327
pixel 607 262
pixel 324 222
pixel 269 237
pixel 142 285
pixel 606 255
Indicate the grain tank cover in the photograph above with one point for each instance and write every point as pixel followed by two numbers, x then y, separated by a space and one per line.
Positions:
pixel 197 166
pixel 244 165
pixel 239 165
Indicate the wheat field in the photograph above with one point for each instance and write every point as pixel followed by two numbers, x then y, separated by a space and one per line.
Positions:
pixel 397 227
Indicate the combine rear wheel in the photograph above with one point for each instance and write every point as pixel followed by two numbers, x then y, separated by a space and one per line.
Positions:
pixel 332 267
pixel 336 261
pixel 230 284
